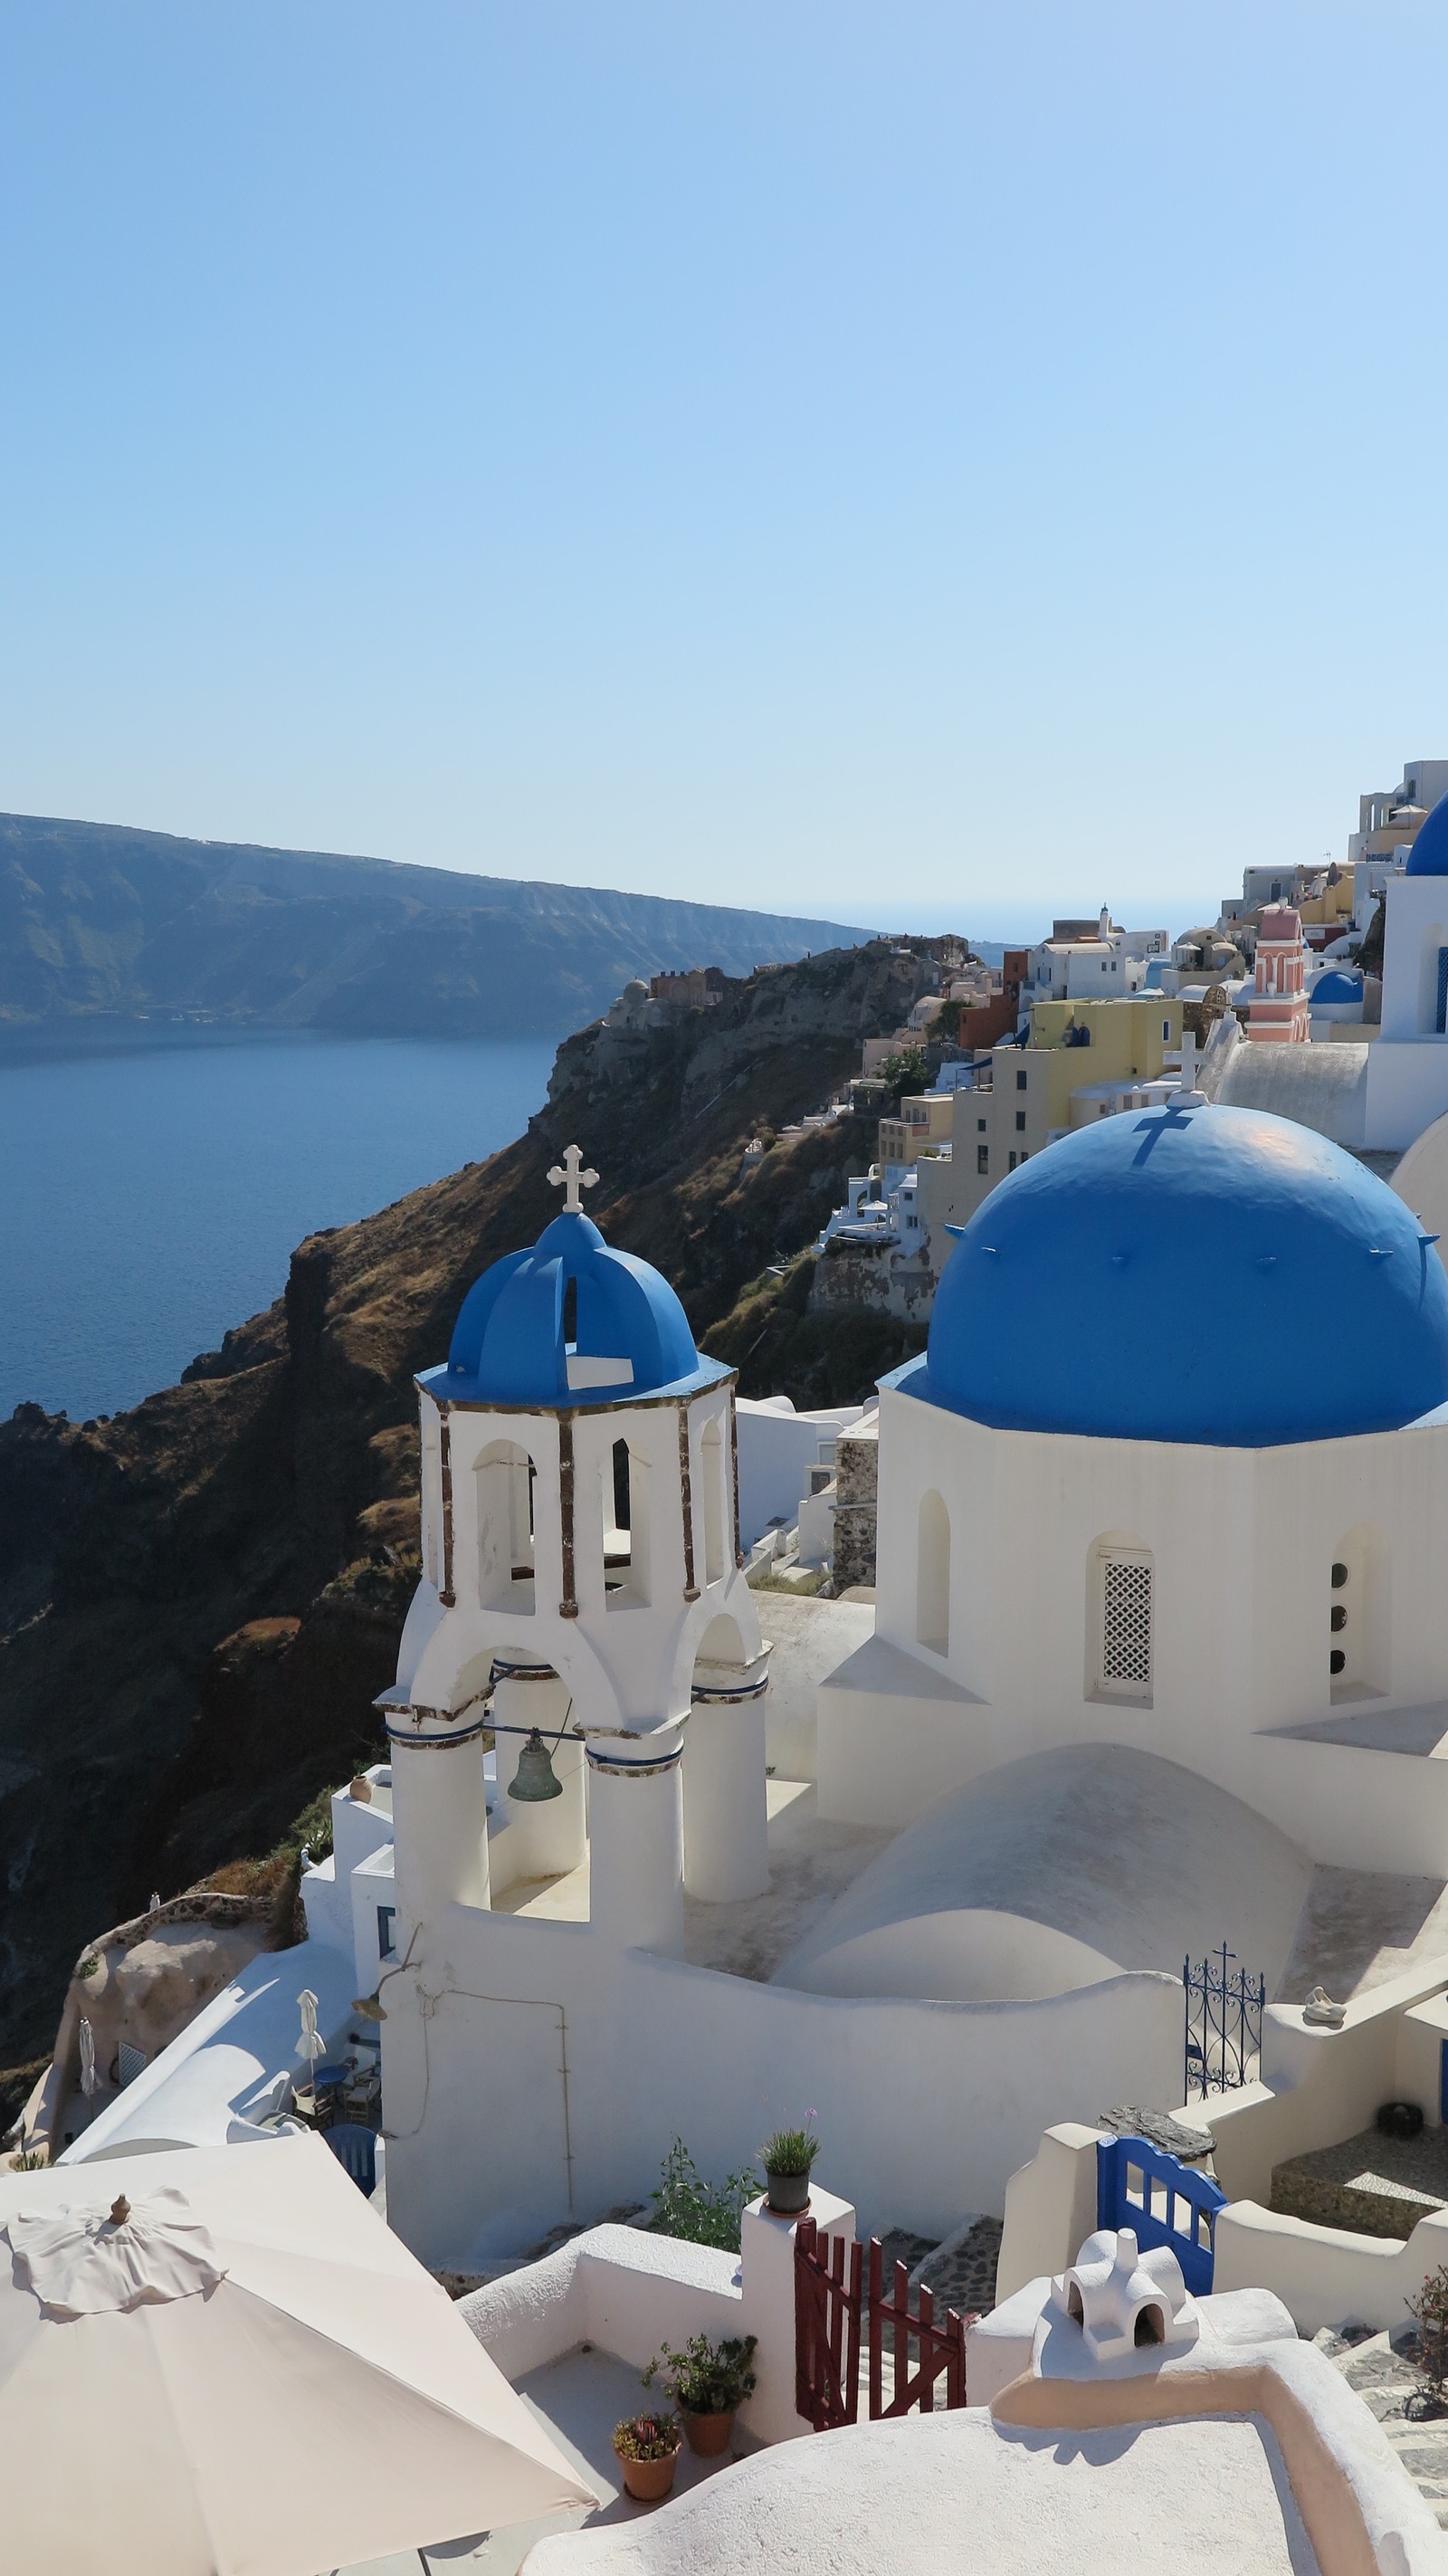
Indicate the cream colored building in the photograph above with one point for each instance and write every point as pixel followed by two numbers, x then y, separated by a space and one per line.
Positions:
pixel 1041 1091
pixel 926 1119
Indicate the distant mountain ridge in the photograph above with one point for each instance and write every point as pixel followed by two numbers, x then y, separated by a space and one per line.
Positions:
pixel 103 921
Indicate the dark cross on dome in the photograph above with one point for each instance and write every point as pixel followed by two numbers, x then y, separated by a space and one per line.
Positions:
pixel 570 1177
pixel 1160 1122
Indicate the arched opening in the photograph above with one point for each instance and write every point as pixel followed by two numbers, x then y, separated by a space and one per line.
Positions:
pixel 1358 1626
pixel 1150 2326
pixel 1074 2307
pixel 932 1575
pixel 505 1479
pixel 1120 1622
pixel 712 1474
pixel 1433 980
pixel 625 1528
pixel 570 1314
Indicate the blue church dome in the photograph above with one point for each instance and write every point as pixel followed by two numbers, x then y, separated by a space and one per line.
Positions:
pixel 1194 1274
pixel 516 1340
pixel 1428 856
pixel 1335 986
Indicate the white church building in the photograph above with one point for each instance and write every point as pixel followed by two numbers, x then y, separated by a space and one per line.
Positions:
pixel 1407 1066
pixel 1163 1516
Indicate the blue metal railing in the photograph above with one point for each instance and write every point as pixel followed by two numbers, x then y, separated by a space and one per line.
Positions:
pixel 1164 2201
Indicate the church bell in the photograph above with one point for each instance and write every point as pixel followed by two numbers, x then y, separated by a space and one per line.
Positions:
pixel 535 1779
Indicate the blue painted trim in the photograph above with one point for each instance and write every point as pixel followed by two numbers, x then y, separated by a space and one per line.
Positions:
pixel 438 1743
pixel 1193 2243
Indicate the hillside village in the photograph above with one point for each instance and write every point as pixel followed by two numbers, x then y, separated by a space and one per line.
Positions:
pixel 800 1726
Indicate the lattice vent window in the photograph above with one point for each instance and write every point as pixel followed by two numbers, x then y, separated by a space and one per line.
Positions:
pixel 1126 1625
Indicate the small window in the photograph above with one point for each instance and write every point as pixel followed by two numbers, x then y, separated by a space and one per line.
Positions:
pixel 1166 1032
pixel 386 1917
pixel 982 1158
pixel 1122 1617
pixel 980 1126
pixel 1010 1162
pixel 1020 1081
pixel 1020 1122
pixel 130 2062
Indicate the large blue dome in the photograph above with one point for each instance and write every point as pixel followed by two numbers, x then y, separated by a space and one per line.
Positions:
pixel 516 1342
pixel 1428 856
pixel 1196 1274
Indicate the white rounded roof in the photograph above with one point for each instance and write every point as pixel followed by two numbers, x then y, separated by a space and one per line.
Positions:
pixel 1054 1872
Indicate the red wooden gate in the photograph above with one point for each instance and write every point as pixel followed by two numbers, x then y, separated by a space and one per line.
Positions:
pixel 840 2302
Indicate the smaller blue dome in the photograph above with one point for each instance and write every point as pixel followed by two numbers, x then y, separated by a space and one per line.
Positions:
pixel 1429 854
pixel 1335 986
pixel 631 1335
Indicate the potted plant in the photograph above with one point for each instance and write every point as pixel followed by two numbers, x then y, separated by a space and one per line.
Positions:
pixel 786 2158
pixel 708 2383
pixel 648 2448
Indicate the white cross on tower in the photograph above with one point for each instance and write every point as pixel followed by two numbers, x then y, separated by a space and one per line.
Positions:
pixel 570 1177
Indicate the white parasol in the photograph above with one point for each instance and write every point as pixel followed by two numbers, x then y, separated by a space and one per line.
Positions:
pixel 311 2045
pixel 87 2058
pixel 220 2362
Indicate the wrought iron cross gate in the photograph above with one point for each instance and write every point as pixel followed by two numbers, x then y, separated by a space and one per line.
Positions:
pixel 841 2305
pixel 1223 2024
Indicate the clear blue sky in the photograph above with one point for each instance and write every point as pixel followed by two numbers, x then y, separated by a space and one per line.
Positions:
pixel 904 462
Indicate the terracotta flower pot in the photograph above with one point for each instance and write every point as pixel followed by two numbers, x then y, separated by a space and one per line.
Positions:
pixel 707 2435
pixel 788 2193
pixel 648 2481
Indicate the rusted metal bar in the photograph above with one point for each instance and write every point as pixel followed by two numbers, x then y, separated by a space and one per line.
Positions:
pixel 686 1493
pixel 568 1606
pixel 446 1596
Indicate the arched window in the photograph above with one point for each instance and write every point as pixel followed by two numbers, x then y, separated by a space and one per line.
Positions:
pixel 932 1575
pixel 712 1470
pixel 1121 1622
pixel 1357 1617
pixel 626 1528
pixel 505 1527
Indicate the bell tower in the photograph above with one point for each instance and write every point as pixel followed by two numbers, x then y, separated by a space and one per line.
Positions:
pixel 583 1597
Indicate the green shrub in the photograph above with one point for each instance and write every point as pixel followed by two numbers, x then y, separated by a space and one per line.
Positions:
pixel 1429 2312
pixel 704 2213
pixel 707 2378
pixel 790 2151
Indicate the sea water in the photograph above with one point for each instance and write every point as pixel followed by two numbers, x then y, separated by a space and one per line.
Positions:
pixel 153 1184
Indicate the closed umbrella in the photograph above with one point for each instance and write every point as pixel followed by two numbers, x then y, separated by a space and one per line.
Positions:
pixel 87 2058
pixel 221 2362
pixel 311 2045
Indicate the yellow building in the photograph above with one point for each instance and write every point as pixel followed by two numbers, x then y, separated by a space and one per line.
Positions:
pixel 1062 1079
pixel 925 1119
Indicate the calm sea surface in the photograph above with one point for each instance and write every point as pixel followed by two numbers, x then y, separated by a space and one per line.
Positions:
pixel 151 1189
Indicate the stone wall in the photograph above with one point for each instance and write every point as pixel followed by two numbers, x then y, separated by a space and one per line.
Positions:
pixel 857 1459
pixel 857 1278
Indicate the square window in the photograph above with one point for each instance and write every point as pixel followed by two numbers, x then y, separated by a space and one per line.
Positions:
pixel 980 1126
pixel 1020 1122
pixel 982 1158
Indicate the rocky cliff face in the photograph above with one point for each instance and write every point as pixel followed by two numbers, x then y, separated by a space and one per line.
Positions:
pixel 200 1599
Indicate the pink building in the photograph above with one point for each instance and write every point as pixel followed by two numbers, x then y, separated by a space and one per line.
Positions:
pixel 1277 1009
